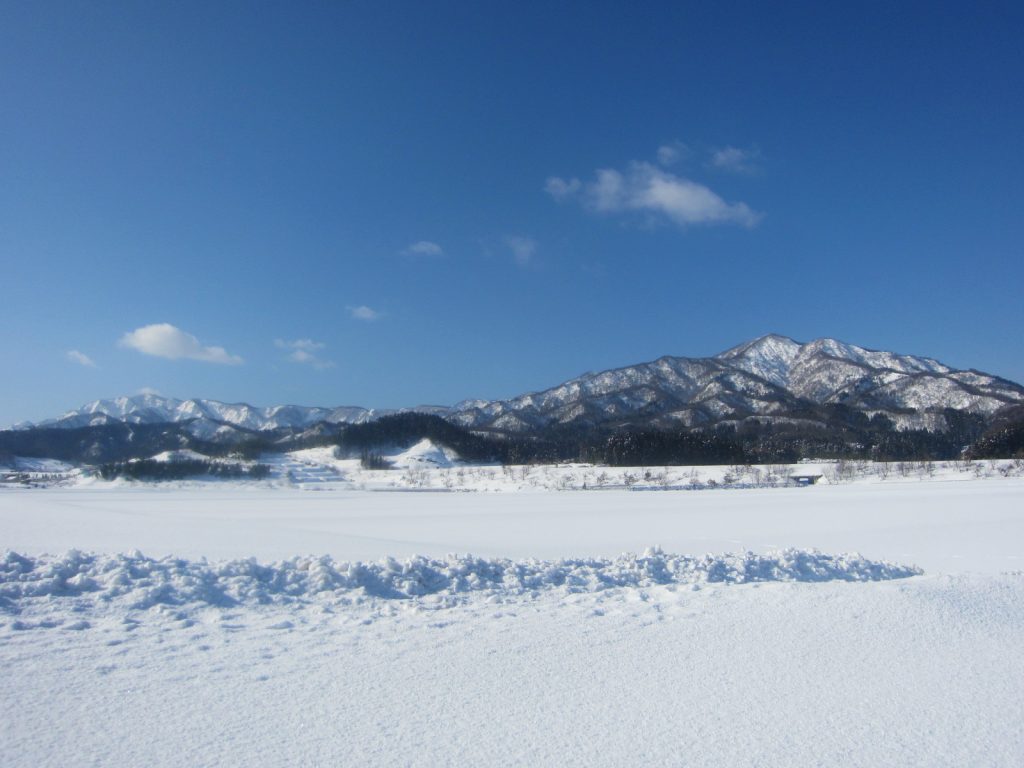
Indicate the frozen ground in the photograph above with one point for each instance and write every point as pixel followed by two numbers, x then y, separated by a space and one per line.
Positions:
pixel 942 526
pixel 113 657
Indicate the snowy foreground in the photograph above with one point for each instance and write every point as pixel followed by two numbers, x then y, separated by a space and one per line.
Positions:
pixel 263 626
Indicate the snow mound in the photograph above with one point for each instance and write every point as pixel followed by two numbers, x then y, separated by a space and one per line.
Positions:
pixel 424 454
pixel 183 454
pixel 141 582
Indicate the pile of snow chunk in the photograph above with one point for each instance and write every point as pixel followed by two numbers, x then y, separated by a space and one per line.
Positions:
pixel 141 582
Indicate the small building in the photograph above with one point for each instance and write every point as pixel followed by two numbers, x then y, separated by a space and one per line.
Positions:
pixel 804 479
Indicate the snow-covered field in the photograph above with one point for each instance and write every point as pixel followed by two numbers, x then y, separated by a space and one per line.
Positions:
pixel 538 644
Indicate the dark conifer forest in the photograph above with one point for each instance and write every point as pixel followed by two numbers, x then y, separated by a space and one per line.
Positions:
pixel 845 433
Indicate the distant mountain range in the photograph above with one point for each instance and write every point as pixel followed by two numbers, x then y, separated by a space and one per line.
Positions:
pixel 207 419
pixel 767 400
pixel 771 380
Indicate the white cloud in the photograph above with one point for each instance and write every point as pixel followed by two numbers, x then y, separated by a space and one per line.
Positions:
pixel 735 160
pixel 304 351
pixel 645 188
pixel 81 358
pixel 308 358
pixel 167 341
pixel 148 391
pixel 364 313
pixel 561 189
pixel 523 249
pixel 670 154
pixel 303 344
pixel 424 248
pixel 608 192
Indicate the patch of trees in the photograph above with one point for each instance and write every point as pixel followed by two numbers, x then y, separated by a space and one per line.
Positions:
pixel 680 447
pixel 148 469
pixel 373 460
pixel 1004 439
pixel 849 434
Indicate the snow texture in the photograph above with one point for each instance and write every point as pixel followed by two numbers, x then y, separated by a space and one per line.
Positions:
pixel 782 658
pixel 140 582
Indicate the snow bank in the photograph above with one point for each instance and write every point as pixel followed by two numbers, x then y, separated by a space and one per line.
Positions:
pixel 141 582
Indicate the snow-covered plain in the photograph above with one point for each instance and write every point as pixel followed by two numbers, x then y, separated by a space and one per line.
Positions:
pixel 545 647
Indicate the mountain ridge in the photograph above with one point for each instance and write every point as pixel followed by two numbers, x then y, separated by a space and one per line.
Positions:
pixel 771 378
pixel 760 378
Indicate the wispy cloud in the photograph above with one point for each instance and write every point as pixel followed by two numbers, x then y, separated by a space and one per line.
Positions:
pixel 424 248
pixel 364 313
pixel 735 160
pixel 561 189
pixel 672 153
pixel 167 341
pixel 81 358
pixel 304 351
pixel 523 249
pixel 307 345
pixel 148 391
pixel 645 188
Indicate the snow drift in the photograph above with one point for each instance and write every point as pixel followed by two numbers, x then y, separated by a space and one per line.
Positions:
pixel 140 582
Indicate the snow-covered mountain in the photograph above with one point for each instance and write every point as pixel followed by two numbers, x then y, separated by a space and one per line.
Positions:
pixel 772 378
pixel 206 418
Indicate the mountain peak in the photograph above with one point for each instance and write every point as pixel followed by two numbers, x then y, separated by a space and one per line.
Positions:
pixel 771 357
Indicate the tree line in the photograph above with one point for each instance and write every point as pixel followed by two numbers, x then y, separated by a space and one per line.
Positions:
pixel 148 469
pixel 845 433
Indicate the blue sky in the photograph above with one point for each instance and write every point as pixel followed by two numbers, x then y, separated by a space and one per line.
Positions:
pixel 388 204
